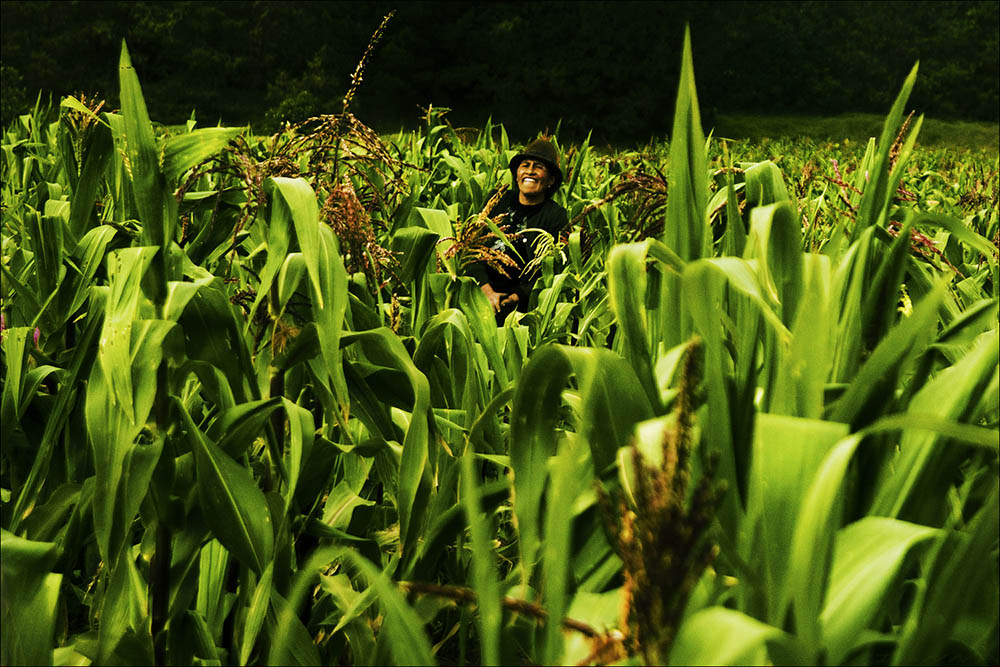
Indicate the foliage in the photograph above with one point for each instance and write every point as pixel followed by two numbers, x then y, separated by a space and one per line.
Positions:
pixel 254 413
pixel 261 63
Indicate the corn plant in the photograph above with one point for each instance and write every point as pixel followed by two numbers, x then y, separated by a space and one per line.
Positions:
pixel 254 413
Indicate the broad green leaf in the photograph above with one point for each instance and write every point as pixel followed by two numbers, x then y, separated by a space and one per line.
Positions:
pixel 953 579
pixel 483 571
pixel 627 290
pixel 686 230
pixel 438 222
pixel 383 346
pixel 719 636
pixel 113 434
pixel 329 320
pixel 812 542
pixel 258 611
pixel 877 197
pixel 291 643
pixel 30 598
pixel 775 241
pixel 213 561
pixel 566 485
pixel 55 422
pixel 805 365
pixel 764 185
pixel 613 402
pixel 864 398
pixel 302 430
pixel 233 505
pixel 924 467
pixel 97 151
pixel 292 197
pixel 184 151
pixel 787 452
pixel 237 427
pixel 340 506
pixel 867 558
pixel 148 184
pixel 126 269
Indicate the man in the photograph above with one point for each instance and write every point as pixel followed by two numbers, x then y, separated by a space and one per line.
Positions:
pixel 536 176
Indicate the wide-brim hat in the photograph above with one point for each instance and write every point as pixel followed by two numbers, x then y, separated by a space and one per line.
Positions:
pixel 540 149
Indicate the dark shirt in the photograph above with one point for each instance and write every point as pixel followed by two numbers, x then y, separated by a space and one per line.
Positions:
pixel 518 217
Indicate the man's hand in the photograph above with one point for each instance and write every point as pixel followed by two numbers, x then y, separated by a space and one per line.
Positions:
pixel 511 300
pixel 495 298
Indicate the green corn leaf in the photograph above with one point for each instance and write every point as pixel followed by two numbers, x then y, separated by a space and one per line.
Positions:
pixel 877 197
pixel 613 402
pixel 125 610
pixel 213 560
pixel 148 184
pixel 55 422
pixel 851 276
pixel 438 222
pixel 234 506
pixel 289 276
pixel 805 365
pixel 210 310
pixel 415 246
pixel 332 281
pixel 484 574
pixel 737 639
pixel 812 542
pixel 126 269
pixel 627 289
pixel 962 232
pixel 383 346
pixel 71 102
pixel 15 350
pixel 340 506
pixel 90 253
pixel 878 308
pixel 764 185
pixel 867 559
pixel 291 643
pixel 686 229
pixel 46 238
pixel 30 600
pixel 257 613
pixel 952 585
pixel 184 151
pixel 97 152
pixel 567 483
pixel 403 627
pixel 120 464
pixel 302 430
pixel 237 427
pixel 462 381
pixel 292 197
pixel 787 452
pixel 924 467
pixel 480 317
pixel 775 241
pixel 858 405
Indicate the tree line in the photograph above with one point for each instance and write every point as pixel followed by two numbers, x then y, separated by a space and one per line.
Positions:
pixel 607 67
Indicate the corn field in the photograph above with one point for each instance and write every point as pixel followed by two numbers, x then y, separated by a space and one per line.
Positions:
pixel 255 413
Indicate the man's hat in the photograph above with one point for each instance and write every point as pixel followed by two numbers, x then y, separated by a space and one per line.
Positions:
pixel 540 149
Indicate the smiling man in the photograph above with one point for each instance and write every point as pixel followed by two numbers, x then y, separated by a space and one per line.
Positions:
pixel 536 175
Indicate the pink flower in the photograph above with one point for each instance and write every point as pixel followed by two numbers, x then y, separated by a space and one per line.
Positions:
pixel 34 336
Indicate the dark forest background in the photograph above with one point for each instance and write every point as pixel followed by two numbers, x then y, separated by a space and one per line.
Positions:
pixel 610 67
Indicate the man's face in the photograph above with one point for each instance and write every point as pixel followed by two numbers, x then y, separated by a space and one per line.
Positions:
pixel 533 178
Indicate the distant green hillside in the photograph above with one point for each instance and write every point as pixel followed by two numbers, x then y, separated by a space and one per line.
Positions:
pixel 856 127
